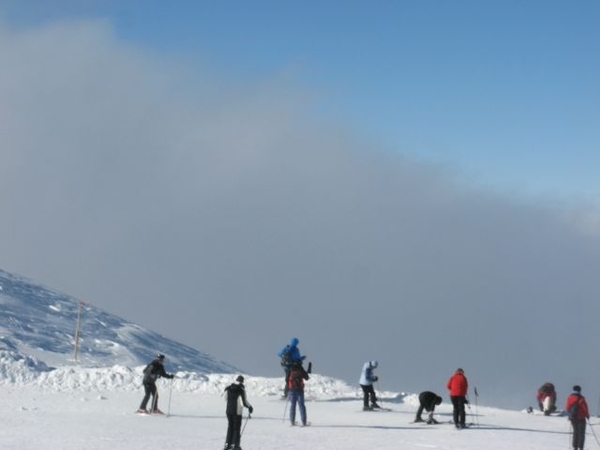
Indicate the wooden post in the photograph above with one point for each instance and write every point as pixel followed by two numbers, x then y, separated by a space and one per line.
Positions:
pixel 78 327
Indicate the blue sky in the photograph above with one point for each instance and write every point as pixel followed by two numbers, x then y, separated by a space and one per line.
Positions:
pixel 506 93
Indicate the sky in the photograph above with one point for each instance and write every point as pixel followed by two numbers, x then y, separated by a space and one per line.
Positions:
pixel 400 181
pixel 505 91
pixel 73 408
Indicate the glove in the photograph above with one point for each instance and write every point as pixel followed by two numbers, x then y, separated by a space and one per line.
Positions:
pixel 466 401
pixel 375 378
pixel 251 409
pixel 171 376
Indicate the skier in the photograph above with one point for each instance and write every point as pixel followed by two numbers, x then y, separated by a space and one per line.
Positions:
pixel 289 355
pixel 296 378
pixel 458 387
pixel 546 398
pixel 578 414
pixel 367 378
pixel 152 372
pixel 428 401
pixel 236 401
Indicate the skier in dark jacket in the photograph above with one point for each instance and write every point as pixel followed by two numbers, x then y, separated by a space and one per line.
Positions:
pixel 296 379
pixel 236 401
pixel 152 372
pixel 428 401
pixel 290 354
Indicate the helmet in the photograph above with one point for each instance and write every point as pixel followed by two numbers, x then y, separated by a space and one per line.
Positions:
pixel 240 379
pixel 294 341
pixel 373 364
pixel 160 356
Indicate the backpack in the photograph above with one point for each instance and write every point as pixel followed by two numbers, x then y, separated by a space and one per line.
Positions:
pixel 150 372
pixel 547 389
pixel 574 409
pixel 234 391
pixel 285 356
pixel 296 379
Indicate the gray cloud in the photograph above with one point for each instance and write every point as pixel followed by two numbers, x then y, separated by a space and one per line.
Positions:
pixel 225 217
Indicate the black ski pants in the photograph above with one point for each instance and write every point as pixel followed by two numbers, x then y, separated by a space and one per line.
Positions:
pixel 578 433
pixel 458 412
pixel 150 390
pixel 368 393
pixel 234 427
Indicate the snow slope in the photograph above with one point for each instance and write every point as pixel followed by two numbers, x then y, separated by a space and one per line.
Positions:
pixel 40 322
pixel 75 408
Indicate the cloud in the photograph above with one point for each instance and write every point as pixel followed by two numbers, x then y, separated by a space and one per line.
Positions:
pixel 231 217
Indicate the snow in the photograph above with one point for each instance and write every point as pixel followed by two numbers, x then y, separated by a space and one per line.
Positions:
pixel 41 323
pixel 74 408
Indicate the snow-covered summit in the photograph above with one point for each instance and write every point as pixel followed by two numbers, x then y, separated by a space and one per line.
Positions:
pixel 41 323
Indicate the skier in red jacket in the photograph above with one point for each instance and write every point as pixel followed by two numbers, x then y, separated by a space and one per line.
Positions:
pixel 578 414
pixel 458 387
pixel 546 397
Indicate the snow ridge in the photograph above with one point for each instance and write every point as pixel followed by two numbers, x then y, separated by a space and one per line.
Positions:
pixel 41 323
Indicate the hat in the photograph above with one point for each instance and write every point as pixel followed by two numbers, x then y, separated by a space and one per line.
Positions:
pixel 240 379
pixel 459 370
pixel 577 388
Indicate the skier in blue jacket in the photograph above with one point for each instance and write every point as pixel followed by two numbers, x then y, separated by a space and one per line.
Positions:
pixel 367 378
pixel 290 355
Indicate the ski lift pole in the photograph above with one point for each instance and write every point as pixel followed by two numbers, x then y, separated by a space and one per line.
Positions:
pixel 78 328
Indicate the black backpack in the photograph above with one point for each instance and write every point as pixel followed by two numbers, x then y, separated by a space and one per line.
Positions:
pixel 285 357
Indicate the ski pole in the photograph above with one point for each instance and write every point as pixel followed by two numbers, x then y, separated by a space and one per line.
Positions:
pixel 245 423
pixel 468 404
pixel 593 433
pixel 170 391
pixel 286 407
pixel 377 391
pixel 476 406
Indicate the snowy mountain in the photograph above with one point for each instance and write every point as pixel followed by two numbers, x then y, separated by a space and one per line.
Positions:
pixel 41 323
